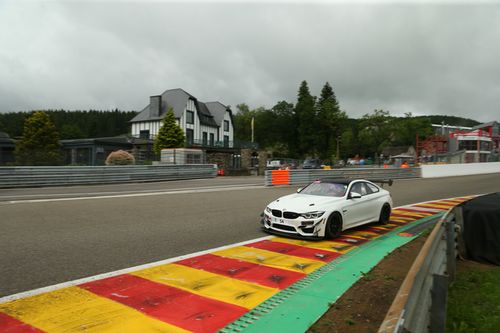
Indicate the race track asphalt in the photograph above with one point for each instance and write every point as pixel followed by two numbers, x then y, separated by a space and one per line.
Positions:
pixel 50 240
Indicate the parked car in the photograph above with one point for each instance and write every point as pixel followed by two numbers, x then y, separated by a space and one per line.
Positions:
pixel 324 208
pixel 312 163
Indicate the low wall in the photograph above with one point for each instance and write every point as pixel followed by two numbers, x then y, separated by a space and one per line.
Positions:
pixel 302 177
pixel 447 170
pixel 11 177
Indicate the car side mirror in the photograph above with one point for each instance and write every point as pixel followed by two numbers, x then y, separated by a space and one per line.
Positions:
pixel 299 189
pixel 354 195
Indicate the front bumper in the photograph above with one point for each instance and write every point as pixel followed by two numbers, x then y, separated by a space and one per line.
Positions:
pixel 310 228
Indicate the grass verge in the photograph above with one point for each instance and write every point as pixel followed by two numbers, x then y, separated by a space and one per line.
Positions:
pixel 474 299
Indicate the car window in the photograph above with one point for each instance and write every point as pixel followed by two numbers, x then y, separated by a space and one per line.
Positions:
pixel 325 189
pixel 359 188
pixel 372 188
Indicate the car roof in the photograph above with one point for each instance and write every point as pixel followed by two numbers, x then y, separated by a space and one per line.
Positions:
pixel 337 180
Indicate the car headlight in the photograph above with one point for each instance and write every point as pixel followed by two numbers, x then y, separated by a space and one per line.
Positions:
pixel 268 210
pixel 312 215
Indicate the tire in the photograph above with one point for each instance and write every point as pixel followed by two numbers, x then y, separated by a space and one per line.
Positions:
pixel 333 226
pixel 385 214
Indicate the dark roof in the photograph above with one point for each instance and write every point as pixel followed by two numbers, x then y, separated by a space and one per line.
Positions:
pixel 218 110
pixel 206 118
pixel 177 99
pixel 398 150
pixel 491 123
pixel 6 140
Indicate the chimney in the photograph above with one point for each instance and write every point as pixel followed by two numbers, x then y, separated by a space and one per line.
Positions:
pixel 154 106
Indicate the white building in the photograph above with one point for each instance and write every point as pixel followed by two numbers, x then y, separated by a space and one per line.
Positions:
pixel 205 125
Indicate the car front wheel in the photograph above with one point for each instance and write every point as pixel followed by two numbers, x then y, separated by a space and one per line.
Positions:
pixel 333 226
pixel 385 214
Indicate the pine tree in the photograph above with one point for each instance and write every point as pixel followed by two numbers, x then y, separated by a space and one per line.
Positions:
pixel 40 142
pixel 330 122
pixel 170 134
pixel 305 117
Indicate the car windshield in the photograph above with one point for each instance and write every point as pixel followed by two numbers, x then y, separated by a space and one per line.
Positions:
pixel 325 189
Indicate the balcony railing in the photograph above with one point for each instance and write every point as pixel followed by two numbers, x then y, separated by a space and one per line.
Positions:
pixel 213 144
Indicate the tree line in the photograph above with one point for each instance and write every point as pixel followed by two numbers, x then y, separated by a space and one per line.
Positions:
pixel 73 124
pixel 318 127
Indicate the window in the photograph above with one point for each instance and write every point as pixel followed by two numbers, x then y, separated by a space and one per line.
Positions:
pixel 189 117
pixel 226 125
pixel 205 138
pixel 212 139
pixel 226 141
pixel 189 136
pixel 144 134
pixel 359 188
pixel 372 188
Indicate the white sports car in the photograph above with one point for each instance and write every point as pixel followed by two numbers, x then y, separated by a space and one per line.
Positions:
pixel 326 207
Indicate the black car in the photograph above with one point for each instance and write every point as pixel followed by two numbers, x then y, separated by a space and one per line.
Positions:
pixel 312 163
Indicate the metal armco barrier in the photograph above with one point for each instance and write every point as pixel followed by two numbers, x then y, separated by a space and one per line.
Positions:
pixel 420 304
pixel 11 177
pixel 301 177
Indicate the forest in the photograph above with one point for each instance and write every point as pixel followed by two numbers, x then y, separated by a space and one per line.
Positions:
pixel 311 126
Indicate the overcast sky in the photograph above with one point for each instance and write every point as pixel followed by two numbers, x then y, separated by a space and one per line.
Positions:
pixel 433 58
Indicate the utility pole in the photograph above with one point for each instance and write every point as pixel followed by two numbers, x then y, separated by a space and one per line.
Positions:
pixel 252 126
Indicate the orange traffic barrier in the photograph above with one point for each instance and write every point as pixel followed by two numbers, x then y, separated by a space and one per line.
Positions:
pixel 280 177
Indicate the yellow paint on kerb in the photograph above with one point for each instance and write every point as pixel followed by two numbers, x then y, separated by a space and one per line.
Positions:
pixel 406 213
pixel 439 206
pixel 219 287
pixel 272 259
pixel 76 310
pixel 320 245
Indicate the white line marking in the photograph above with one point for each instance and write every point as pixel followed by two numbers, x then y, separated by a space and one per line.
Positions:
pixel 132 195
pixel 122 192
pixel 58 286
pixel 144 266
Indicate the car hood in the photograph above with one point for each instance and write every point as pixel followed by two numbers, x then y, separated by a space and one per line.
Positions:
pixel 302 203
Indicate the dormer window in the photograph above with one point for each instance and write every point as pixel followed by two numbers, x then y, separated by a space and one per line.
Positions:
pixel 189 117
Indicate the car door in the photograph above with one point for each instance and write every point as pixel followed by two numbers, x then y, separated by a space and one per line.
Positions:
pixel 356 210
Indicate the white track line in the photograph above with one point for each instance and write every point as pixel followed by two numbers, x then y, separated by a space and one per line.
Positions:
pixel 136 268
pixel 133 195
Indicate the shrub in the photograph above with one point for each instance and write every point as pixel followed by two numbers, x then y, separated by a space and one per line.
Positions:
pixel 120 157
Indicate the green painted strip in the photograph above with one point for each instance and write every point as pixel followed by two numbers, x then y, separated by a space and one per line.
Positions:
pixel 296 308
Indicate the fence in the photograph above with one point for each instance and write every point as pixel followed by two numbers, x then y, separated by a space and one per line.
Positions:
pixel 301 177
pixel 420 304
pixel 70 175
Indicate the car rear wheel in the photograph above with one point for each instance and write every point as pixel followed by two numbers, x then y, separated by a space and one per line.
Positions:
pixel 333 226
pixel 385 214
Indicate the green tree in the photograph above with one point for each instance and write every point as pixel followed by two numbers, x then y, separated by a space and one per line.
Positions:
pixel 242 123
pixel 406 129
pixel 305 118
pixel 285 129
pixel 375 132
pixel 330 122
pixel 40 142
pixel 170 134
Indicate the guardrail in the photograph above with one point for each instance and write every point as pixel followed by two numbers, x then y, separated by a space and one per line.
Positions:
pixel 11 177
pixel 301 176
pixel 420 304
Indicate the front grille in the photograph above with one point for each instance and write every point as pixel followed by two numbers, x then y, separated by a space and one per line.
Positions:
pixel 276 212
pixel 284 227
pixel 290 215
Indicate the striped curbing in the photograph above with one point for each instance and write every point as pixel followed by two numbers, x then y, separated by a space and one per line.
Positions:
pixel 249 287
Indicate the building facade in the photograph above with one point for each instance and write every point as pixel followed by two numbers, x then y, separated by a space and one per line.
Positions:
pixel 204 124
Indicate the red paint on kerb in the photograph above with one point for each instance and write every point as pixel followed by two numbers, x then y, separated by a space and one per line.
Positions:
pixel 168 304
pixel 295 250
pixel 9 324
pixel 242 270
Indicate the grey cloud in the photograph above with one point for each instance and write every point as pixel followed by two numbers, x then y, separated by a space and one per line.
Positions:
pixel 425 59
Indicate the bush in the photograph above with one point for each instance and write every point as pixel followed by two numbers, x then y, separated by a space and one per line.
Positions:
pixel 120 157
